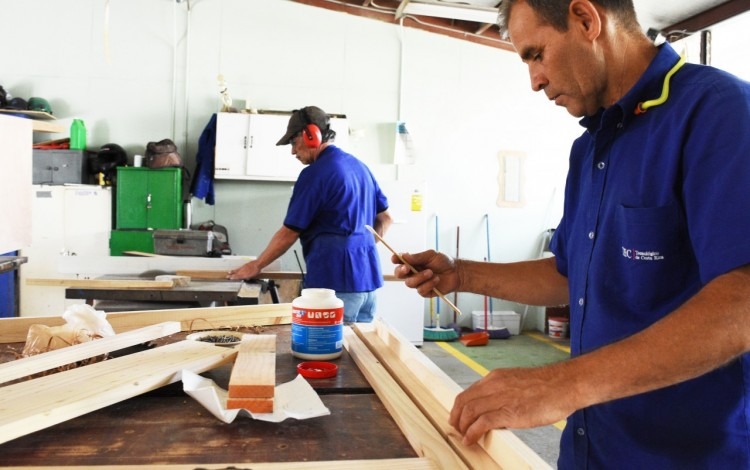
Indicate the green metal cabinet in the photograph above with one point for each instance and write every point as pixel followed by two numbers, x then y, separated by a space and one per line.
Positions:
pixel 149 199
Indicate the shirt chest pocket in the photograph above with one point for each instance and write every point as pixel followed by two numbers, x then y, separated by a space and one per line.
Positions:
pixel 655 255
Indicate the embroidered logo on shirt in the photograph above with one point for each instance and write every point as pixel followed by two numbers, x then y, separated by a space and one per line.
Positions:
pixel 639 255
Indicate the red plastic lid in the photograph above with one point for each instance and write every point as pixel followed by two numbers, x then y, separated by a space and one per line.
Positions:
pixel 317 369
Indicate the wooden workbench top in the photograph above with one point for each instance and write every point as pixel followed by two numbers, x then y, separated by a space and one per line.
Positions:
pixel 166 426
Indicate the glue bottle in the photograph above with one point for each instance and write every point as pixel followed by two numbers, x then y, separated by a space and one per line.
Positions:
pixel 317 325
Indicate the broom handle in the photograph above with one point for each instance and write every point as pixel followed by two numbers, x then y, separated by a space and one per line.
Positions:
pixel 440 294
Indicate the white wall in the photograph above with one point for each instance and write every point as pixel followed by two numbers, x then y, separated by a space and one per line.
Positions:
pixel 147 69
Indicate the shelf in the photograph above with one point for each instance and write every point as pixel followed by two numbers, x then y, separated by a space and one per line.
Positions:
pixel 38 120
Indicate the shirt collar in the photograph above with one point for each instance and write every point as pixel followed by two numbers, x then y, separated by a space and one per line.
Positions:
pixel 647 87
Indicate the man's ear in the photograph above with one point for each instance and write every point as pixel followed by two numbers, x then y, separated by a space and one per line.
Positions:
pixel 585 17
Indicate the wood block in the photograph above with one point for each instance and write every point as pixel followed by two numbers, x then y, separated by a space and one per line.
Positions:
pixel 254 405
pixel 254 371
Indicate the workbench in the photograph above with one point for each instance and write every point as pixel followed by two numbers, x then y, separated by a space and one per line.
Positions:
pixel 201 293
pixel 389 403
pixel 168 427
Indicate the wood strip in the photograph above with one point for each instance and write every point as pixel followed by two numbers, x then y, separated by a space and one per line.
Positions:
pixel 36 404
pixel 14 330
pixel 384 464
pixel 222 275
pixel 254 371
pixel 136 284
pixel 42 362
pixel 423 437
pixel 434 391
pixel 254 405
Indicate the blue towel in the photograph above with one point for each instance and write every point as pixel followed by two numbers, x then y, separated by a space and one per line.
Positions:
pixel 202 186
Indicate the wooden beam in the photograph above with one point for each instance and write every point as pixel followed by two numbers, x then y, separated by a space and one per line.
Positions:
pixel 14 330
pixel 36 404
pixel 423 437
pixel 705 19
pixel 60 357
pixel 434 391
pixel 222 275
pixel 134 284
pixel 384 464
pixel 253 379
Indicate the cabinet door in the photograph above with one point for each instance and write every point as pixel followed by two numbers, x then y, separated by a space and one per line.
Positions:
pixel 164 201
pixel 149 199
pixel 232 141
pixel 132 191
pixel 266 160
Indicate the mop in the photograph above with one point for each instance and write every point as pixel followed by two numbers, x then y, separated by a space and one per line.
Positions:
pixel 439 333
pixel 493 332
pixel 430 334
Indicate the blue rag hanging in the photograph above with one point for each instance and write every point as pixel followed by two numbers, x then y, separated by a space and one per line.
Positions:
pixel 202 185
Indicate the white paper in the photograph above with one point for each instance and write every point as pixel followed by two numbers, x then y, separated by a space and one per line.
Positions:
pixel 295 399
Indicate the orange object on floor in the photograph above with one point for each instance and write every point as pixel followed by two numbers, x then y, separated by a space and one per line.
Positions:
pixel 480 338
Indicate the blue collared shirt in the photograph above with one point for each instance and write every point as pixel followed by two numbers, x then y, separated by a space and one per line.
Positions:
pixel 333 199
pixel 656 206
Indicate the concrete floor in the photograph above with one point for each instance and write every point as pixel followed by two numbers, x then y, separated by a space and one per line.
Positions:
pixel 542 440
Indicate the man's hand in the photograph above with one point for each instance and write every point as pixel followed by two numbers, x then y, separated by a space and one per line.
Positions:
pixel 512 399
pixel 247 271
pixel 435 270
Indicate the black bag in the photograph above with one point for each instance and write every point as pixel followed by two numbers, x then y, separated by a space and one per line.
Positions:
pixel 162 154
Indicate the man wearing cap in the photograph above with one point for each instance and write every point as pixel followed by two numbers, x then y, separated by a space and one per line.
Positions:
pixel 333 199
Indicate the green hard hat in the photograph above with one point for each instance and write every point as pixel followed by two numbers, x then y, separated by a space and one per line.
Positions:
pixel 39 104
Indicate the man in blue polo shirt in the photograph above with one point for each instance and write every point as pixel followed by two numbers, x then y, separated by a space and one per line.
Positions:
pixel 334 198
pixel 651 254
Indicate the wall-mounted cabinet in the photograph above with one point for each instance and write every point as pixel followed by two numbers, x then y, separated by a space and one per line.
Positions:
pixel 246 146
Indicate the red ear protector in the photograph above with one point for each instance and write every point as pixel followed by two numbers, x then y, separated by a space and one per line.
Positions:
pixel 311 134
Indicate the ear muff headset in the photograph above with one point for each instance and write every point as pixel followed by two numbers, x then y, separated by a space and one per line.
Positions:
pixel 311 134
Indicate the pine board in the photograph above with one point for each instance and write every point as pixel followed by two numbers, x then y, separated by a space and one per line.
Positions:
pixel 41 362
pixel 14 330
pixel 254 371
pixel 103 283
pixel 55 398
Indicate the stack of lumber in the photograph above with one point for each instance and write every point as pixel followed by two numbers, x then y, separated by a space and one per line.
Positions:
pixel 253 378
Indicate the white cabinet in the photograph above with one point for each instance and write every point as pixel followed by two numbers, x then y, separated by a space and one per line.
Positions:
pixel 65 221
pixel 246 146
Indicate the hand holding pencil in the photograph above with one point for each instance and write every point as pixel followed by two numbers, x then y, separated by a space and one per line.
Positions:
pixel 405 263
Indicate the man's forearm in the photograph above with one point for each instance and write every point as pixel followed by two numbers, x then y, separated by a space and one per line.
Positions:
pixel 534 282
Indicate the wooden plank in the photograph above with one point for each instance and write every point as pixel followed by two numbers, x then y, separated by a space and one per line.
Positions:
pixel 384 464
pixel 254 405
pixel 14 330
pixel 103 283
pixel 424 438
pixel 41 362
pixel 36 404
pixel 218 275
pixel 254 371
pixel 434 391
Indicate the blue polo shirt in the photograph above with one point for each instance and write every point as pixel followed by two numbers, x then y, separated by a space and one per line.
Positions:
pixel 333 199
pixel 656 206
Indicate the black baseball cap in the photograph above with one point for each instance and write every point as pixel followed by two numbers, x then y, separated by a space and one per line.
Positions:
pixel 297 122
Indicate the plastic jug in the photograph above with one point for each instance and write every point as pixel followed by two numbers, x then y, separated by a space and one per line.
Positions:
pixel 77 135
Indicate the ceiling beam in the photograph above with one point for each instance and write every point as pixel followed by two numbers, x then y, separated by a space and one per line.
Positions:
pixel 705 19
pixel 448 27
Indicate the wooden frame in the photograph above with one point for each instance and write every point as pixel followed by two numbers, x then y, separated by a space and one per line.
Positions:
pixel 416 393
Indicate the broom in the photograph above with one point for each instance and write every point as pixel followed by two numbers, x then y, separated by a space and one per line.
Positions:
pixel 430 334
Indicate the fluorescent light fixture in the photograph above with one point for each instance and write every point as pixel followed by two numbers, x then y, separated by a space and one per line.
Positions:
pixel 445 10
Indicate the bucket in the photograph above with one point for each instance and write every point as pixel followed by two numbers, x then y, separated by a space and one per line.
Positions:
pixel 558 327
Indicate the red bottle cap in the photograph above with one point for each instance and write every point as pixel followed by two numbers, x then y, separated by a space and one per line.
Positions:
pixel 317 369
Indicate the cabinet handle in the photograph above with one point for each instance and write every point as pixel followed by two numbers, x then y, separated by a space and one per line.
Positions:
pixel 148 201
pixel 244 142
pixel 251 141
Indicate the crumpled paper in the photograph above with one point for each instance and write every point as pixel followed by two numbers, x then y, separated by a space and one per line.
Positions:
pixel 295 399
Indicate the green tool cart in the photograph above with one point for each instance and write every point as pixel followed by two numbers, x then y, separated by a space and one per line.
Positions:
pixel 147 200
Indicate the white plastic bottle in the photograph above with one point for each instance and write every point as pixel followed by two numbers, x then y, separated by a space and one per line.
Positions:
pixel 317 325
